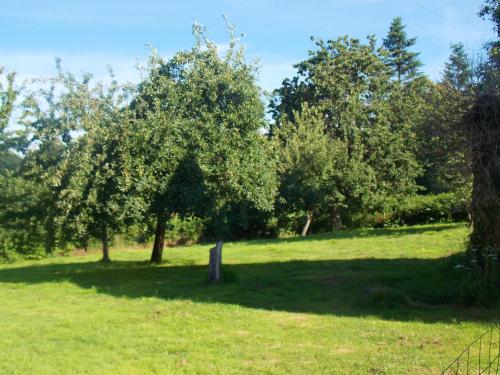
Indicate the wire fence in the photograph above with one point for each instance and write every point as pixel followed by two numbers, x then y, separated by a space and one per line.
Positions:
pixel 482 356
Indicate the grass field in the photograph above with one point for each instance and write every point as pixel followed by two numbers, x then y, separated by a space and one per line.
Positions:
pixel 355 302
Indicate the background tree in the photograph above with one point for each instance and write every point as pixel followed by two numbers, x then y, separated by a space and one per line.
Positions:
pixel 464 137
pixel 18 231
pixel 22 213
pixel 402 61
pixel 491 9
pixel 94 182
pixel 306 164
pixel 458 70
pixel 350 85
pixel 10 140
pixel 50 126
pixel 8 96
pixel 482 124
pixel 441 136
pixel 157 146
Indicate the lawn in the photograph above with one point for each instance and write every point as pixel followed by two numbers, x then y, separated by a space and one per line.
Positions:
pixel 354 302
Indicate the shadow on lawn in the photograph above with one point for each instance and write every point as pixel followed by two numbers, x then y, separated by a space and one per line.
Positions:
pixel 392 289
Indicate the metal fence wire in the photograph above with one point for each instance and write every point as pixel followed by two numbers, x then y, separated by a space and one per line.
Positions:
pixel 482 356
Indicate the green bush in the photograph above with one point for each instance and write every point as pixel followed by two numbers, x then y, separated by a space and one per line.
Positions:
pixel 15 245
pixel 420 209
pixel 184 230
pixel 140 233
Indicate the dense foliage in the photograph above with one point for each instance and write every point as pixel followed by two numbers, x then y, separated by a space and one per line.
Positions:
pixel 369 118
pixel 211 155
pixel 419 209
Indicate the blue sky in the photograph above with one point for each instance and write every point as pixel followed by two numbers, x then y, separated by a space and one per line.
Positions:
pixel 90 34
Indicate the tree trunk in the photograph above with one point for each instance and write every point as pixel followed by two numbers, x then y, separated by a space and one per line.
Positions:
pixel 50 234
pixel 306 225
pixel 484 130
pixel 214 264
pixel 336 219
pixel 105 247
pixel 157 253
pixel 85 245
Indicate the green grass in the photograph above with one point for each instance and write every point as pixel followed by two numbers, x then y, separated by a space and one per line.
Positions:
pixel 355 302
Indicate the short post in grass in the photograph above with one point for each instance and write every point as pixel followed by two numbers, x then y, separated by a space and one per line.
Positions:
pixel 214 263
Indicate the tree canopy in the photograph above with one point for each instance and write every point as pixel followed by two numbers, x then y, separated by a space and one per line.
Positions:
pixel 201 149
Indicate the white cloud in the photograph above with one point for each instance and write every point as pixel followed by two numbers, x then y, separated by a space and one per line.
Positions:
pixel 29 65
pixel 434 69
pixel 457 25
pixel 273 73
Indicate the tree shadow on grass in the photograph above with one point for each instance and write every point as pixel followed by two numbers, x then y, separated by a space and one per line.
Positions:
pixel 392 289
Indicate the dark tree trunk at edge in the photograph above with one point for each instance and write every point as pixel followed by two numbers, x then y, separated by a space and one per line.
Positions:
pixel 159 242
pixel 484 137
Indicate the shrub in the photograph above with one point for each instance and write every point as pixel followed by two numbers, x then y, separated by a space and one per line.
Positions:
pixel 15 245
pixel 184 230
pixel 142 234
pixel 420 209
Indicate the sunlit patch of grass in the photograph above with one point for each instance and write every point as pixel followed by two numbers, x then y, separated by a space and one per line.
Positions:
pixel 362 301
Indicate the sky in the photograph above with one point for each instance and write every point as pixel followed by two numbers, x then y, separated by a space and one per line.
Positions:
pixel 88 35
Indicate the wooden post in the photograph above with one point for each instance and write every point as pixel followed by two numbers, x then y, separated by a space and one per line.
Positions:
pixel 214 264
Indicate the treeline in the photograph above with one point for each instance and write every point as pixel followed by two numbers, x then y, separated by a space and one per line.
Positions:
pixel 359 136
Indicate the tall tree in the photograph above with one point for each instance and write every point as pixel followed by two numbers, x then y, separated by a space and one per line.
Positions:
pixel 458 70
pixel 10 140
pixel 306 164
pixel 18 231
pixel 441 136
pixel 483 125
pixel 467 116
pixel 95 181
pixel 490 69
pixel 50 126
pixel 402 61
pixel 25 200
pixel 8 96
pixel 483 135
pixel 208 110
pixel 157 147
pixel 491 9
pixel 347 81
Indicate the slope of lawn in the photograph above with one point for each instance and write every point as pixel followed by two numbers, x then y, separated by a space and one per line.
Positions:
pixel 355 302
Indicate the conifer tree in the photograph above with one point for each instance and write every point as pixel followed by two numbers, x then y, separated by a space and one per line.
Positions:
pixel 402 61
pixel 458 69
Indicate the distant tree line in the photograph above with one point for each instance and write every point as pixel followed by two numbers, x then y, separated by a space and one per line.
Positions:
pixel 352 137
